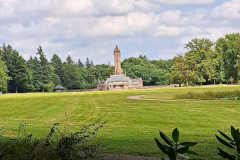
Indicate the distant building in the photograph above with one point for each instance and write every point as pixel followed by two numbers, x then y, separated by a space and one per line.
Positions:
pixel 118 81
pixel 58 88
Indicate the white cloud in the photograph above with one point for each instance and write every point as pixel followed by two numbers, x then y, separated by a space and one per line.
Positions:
pixel 122 25
pixel 181 2
pixel 168 31
pixel 92 28
pixel 227 10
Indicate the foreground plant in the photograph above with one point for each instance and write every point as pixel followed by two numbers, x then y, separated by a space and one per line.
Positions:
pixel 173 148
pixel 232 143
pixel 58 144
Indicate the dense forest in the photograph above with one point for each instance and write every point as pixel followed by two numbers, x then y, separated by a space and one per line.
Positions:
pixel 204 62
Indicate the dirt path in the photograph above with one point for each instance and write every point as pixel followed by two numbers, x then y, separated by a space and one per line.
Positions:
pixel 139 97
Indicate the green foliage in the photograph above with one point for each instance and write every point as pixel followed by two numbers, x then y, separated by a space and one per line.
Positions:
pixel 141 67
pixel 71 76
pixel 57 64
pixel 173 148
pixel 49 86
pixel 17 68
pixel 80 64
pixel 4 78
pixel 229 48
pixel 232 143
pixel 57 144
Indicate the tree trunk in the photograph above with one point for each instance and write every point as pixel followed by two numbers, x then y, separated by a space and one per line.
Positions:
pixel 220 81
pixel 187 83
pixel 180 85
pixel 16 89
pixel 200 83
pixel 214 82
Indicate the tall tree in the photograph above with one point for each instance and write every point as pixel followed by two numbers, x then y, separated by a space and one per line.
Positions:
pixel 80 64
pixel 199 50
pixel 71 76
pixel 57 64
pixel 17 70
pixel 87 64
pixel 4 78
pixel 69 60
pixel 181 71
pixel 92 64
pixel 46 71
pixel 230 49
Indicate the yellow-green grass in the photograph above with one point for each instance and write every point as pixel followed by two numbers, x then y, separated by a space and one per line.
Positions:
pixel 131 124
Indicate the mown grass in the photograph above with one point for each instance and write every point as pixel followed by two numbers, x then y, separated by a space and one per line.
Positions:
pixel 132 124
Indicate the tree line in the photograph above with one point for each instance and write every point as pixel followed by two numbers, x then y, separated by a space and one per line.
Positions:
pixel 37 74
pixel 204 62
pixel 208 62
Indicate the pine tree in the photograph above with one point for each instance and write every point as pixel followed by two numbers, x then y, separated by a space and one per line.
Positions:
pixel 87 64
pixel 69 60
pixel 80 64
pixel 45 71
pixel 56 63
pixel 36 74
pixel 91 63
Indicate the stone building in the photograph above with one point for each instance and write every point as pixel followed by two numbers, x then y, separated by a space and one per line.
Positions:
pixel 119 80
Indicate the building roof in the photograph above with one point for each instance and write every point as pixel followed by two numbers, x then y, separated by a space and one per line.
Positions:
pixel 118 78
pixel 59 87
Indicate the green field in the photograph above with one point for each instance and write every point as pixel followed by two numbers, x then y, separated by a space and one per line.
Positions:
pixel 131 124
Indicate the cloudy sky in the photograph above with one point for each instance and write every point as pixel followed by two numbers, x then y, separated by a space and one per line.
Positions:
pixel 92 28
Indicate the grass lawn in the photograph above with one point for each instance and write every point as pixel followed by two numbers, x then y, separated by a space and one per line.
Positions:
pixel 131 124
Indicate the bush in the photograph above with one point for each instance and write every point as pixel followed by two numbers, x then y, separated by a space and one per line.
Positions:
pixel 174 148
pixel 57 144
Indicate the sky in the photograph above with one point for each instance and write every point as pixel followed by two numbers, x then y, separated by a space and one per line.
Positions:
pixel 158 29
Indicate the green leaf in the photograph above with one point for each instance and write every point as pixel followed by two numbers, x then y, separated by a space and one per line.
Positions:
pixel 166 139
pixel 236 136
pixel 233 131
pixel 188 144
pixel 224 142
pixel 192 152
pixel 175 135
pixel 182 150
pixel 225 154
pixel 161 147
pixel 225 136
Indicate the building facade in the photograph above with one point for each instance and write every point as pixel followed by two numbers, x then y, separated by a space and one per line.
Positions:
pixel 119 80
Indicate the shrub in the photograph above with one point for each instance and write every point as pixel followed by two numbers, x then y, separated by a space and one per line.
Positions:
pixel 57 144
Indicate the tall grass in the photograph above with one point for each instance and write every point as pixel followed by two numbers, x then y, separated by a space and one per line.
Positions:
pixel 210 95
pixel 57 144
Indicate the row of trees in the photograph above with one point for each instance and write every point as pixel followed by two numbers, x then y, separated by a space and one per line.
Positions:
pixel 39 75
pixel 207 62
